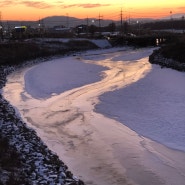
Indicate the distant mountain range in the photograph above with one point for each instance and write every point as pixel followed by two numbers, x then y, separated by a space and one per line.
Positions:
pixel 72 21
pixel 175 16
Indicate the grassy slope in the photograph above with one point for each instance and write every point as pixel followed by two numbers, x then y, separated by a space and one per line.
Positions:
pixel 13 53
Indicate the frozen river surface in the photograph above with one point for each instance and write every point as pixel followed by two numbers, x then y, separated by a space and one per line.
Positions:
pixel 99 118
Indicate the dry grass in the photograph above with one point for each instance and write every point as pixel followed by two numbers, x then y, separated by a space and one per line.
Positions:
pixel 13 53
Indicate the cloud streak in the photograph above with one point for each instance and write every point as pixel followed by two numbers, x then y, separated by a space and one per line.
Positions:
pixel 37 4
pixel 181 8
pixel 44 5
pixel 34 4
pixel 6 3
pixel 89 5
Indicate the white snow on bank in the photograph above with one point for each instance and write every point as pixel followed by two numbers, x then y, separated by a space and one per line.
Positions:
pixel 101 43
pixel 59 75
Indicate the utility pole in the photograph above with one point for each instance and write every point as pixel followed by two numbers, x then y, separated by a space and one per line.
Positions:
pixel 171 20
pixel 87 30
pixel 99 20
pixel 129 19
pixel 0 19
pixel 43 28
pixel 39 27
pixel 183 24
pixel 121 22
pixel 9 29
pixel 67 20
pixel 1 28
pixel 171 15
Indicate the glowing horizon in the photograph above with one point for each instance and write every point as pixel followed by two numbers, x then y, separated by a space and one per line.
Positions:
pixel 33 10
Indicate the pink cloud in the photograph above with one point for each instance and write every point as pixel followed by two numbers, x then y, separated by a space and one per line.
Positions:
pixel 92 5
pixel 44 5
pixel 37 4
pixel 181 8
pixel 89 5
pixel 6 3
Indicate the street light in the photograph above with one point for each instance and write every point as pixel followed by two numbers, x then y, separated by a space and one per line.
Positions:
pixel 138 27
pixel 1 32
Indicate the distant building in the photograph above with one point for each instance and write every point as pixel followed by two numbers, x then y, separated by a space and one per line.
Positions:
pixel 20 29
pixel 81 29
pixel 60 31
pixel 19 32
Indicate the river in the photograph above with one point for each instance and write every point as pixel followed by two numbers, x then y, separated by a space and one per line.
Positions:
pixel 98 149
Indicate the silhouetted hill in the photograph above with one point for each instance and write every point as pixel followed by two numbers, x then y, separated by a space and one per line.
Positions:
pixel 62 20
pixel 72 21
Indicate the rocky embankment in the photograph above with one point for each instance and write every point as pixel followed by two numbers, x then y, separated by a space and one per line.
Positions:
pixel 170 56
pixel 24 158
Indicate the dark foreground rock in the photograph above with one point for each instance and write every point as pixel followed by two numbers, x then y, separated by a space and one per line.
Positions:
pixel 170 56
pixel 24 158
pixel 158 58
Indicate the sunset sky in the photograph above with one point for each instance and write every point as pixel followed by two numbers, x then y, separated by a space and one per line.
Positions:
pixel 108 9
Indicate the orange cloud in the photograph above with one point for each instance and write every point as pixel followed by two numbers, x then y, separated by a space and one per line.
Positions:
pixel 6 3
pixel 38 4
pixel 92 5
pixel 89 5
pixel 44 5
pixel 181 8
pixel 34 4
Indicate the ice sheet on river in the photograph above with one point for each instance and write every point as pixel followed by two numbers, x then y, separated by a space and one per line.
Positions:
pixel 146 98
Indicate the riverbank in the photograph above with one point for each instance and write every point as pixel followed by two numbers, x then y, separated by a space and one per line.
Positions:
pixel 171 55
